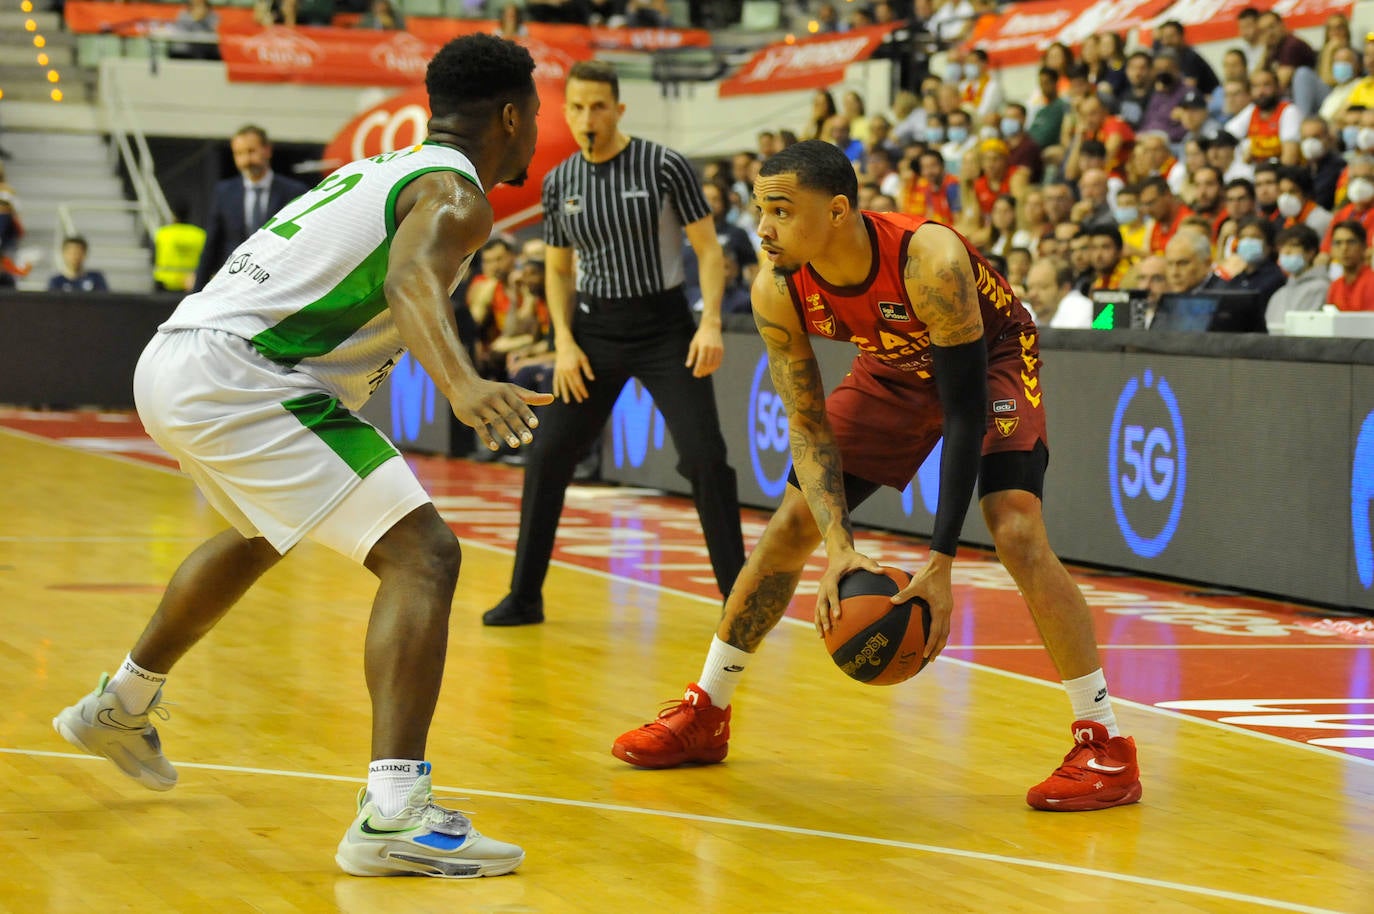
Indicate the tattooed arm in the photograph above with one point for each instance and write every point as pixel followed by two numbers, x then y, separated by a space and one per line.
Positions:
pixel 940 283
pixel 815 453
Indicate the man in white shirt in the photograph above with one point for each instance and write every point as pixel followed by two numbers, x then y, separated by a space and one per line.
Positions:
pixel 1053 301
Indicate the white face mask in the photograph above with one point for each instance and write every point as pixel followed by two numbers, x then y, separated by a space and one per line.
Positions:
pixel 1365 138
pixel 1361 190
pixel 1290 205
pixel 1312 148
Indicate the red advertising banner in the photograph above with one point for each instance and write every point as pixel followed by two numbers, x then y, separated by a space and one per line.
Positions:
pixel 363 57
pixel 1215 20
pixel 402 121
pixel 1021 32
pixel 811 63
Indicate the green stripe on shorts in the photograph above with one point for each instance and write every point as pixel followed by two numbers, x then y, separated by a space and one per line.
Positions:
pixel 358 444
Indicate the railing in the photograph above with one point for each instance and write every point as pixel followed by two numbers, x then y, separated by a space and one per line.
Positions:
pixel 128 141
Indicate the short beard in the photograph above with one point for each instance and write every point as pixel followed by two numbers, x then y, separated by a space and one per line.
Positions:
pixel 787 269
pixel 520 179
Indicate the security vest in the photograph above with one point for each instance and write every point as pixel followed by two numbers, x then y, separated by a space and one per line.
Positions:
pixel 176 251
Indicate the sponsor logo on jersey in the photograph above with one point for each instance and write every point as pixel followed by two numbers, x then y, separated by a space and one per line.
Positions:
pixel 893 311
pixel 1006 426
pixel 1004 406
pixel 814 303
pixel 572 205
pixel 826 326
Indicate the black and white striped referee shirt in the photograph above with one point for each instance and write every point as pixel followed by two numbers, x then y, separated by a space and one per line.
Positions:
pixel 624 217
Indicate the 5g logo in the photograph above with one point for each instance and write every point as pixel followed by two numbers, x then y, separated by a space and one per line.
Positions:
pixel 767 433
pixel 1147 464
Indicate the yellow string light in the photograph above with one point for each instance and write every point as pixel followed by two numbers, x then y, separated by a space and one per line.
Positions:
pixel 40 42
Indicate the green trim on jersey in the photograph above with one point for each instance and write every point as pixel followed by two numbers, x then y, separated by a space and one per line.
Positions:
pixel 358 444
pixel 322 325
pixel 402 184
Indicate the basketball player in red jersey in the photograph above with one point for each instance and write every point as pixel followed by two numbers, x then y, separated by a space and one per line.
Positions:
pixel 942 343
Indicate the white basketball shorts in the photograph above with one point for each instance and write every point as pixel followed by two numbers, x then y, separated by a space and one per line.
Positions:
pixel 271 449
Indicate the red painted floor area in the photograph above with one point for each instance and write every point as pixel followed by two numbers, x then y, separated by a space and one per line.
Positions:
pixel 1294 671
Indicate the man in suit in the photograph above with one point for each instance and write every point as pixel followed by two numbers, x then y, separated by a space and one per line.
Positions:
pixel 242 204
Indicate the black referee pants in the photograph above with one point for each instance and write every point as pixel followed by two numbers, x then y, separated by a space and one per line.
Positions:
pixel 648 341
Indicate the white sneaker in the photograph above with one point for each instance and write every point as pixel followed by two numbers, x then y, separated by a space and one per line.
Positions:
pixel 421 840
pixel 99 725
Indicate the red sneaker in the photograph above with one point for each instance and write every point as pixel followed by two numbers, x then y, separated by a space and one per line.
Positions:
pixel 1099 772
pixel 692 731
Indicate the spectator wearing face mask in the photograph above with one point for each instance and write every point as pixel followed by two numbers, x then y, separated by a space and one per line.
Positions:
pixel 959 139
pixel 1322 164
pixel 1252 268
pixel 1307 282
pixel 1346 74
pixel 1360 196
pixel 1295 203
pixel 1022 151
pixel 981 89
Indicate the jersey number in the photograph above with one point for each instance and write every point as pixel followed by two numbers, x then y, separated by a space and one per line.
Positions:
pixel 333 187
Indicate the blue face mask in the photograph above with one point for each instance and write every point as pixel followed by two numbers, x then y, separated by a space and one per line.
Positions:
pixel 1125 215
pixel 1343 71
pixel 954 73
pixel 1350 136
pixel 1010 127
pixel 1292 264
pixel 958 134
pixel 1251 250
pixel 935 134
pixel 972 71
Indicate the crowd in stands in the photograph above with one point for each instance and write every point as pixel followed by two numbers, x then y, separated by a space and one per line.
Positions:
pixel 1126 168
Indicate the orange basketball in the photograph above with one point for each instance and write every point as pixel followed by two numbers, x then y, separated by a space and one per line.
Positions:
pixel 876 641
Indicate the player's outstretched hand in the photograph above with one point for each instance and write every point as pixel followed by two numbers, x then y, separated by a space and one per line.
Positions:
pixel 842 562
pixel 500 412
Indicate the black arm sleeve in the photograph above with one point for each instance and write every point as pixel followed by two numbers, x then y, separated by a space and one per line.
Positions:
pixel 961 377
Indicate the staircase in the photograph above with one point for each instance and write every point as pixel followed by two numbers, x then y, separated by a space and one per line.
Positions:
pixel 68 181
pixel 22 78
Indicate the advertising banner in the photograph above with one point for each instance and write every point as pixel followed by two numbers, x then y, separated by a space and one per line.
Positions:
pixel 811 63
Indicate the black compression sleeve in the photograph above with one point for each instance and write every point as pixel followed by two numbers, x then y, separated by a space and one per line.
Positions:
pixel 961 377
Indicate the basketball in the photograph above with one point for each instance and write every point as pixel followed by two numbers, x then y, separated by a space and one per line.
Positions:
pixel 875 641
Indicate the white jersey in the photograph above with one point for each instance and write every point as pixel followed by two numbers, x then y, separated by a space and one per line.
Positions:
pixel 306 289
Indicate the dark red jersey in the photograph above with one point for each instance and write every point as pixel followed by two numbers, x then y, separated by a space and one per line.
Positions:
pixel 877 315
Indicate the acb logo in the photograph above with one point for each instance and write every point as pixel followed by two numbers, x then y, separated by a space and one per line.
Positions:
pixel 1147 464
pixel 769 453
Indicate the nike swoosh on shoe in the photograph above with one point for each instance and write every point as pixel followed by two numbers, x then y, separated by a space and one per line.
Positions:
pixel 1094 765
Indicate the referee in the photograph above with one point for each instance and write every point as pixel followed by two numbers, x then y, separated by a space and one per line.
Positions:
pixel 623 204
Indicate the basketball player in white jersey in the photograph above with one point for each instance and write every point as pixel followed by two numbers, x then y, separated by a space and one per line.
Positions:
pixel 251 385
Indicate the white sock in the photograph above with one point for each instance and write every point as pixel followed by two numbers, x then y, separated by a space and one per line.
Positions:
pixel 389 781
pixel 1090 700
pixel 134 686
pixel 722 672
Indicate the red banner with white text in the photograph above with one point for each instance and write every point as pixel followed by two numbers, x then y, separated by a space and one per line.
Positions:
pixel 89 17
pixel 363 57
pixel 811 63
pixel 1022 31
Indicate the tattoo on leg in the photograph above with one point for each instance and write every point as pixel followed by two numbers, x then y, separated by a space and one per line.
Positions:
pixel 762 609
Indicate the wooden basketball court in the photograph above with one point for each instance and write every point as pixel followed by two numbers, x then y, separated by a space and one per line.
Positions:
pixel 1255 722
